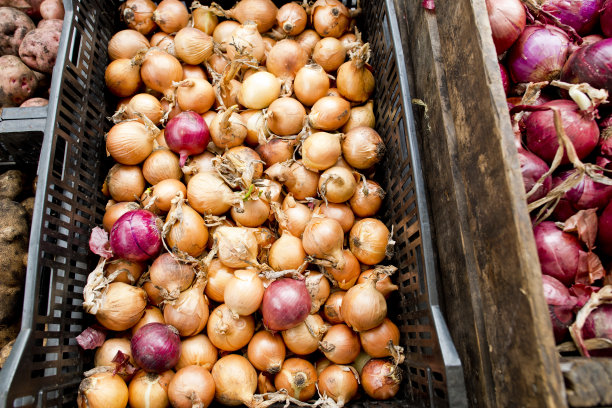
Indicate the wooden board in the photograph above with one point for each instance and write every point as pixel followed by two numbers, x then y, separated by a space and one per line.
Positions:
pixel 588 381
pixel 488 264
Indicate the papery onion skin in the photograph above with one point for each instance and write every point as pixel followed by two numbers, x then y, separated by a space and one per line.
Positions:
pixel 368 241
pixel 329 113
pixel 329 53
pixel 190 234
pixel 187 134
pixel 161 164
pixel 151 314
pixel 160 70
pixel 146 104
pixel 170 274
pixel 363 307
pixel 135 236
pixel 259 90
pixel 156 347
pixel 218 276
pixel 292 18
pixel 126 43
pixel 376 340
pixel 137 14
pixel 332 310
pixel 286 303
pixel 195 94
pixel 579 126
pixel 347 276
pixel 330 18
pixel 125 183
pixel 298 377
pixel 189 313
pixel 228 333
pixel 323 238
pixel 311 84
pixel 580 15
pixel 560 306
pixel 308 39
pixel 266 351
pixel 222 33
pixel 298 215
pixel 129 142
pixel 102 390
pixel 235 380
pixel 586 194
pixel 162 194
pixel 367 199
pixel 340 212
pixel 321 150
pixel 338 382
pixel 171 16
pixel 345 342
pixel 204 20
pixel 362 147
pixel 246 42
pixel 207 193
pixel 262 12
pixel 286 58
pixel 285 116
pixel 189 382
pixel 197 350
pixel 107 352
pixel 361 116
pixel 538 54
pixel 354 80
pixel 275 151
pixel 384 285
pixel 244 292
pixel 337 184
pixel 254 213
pixel 380 379
pixel 128 271
pixel 149 390
pixel 532 169
pixel 591 64
pixel 505 78
pixel 304 338
pixel 122 77
pixel 559 252
pixel 193 46
pixel 286 253
pixel 508 19
pixel 319 288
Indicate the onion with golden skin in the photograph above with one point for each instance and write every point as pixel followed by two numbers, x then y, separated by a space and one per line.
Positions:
pixel 193 46
pixel 171 16
pixel 103 390
pixel 149 390
pixel 298 377
pixel 138 15
pixel 292 18
pixel 126 43
pixel 266 351
pixel 330 18
pixel 228 333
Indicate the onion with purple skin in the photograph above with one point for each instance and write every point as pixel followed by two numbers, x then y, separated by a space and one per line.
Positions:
pixel 587 194
pixel 187 134
pixel 156 347
pixel 505 78
pixel 581 15
pixel 579 126
pixel 559 252
pixel 605 142
pixel 532 169
pixel 586 41
pixel 539 54
pixel 599 323
pixel 591 64
pixel 561 306
pixel 604 230
pixel 286 303
pixel 507 18
pixel 136 236
pixel 605 20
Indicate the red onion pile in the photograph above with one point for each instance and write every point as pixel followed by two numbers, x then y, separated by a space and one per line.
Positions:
pixel 560 75
pixel 242 213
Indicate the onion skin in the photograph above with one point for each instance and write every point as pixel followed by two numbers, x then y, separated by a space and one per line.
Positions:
pixel 308 39
pixel 332 309
pixel 340 212
pixel 188 235
pixel 189 313
pixel 156 347
pixel 246 43
pixel 103 390
pixel 380 379
pixel 329 113
pixel 354 80
pixel 579 126
pixel 323 238
pixel 122 77
pixel 162 164
pixel 300 340
pixel 591 64
pixel 235 380
pixel 171 16
pixel 125 183
pixel 375 341
pixel 138 15
pixel 337 184
pixel 361 116
pixel 207 193
pixel 160 69
pixel 587 194
pixel 115 211
pixel 188 381
pixel 311 84
pixel 161 194
pixel 505 78
pixel 286 58
pixel 129 143
pixel 298 215
pixel 321 150
pixel 298 377
pixel 330 18
pixel 292 18
pixel 285 116
pixel 580 15
pixel 363 307
pixel 228 333
pixel 218 276
pixel 384 285
pixel 129 271
pixel 368 241
pixel 329 53
pixel 286 253
pixel 149 390
pixel 244 292
pixel 532 169
pixel 345 342
pixel 362 147
pixel 559 252
pixel 538 54
pixel 195 94
pixel 197 350
pixel 286 303
pixel 204 20
pixel 107 352
pixel 193 46
pixel 604 230
pixel 606 19
pixel 266 351
pixel 508 19
pixel 262 12
pixel 168 273
pixel 126 43
pixel 151 314
pixel 347 276
pixel 560 306
pixel 338 383
pixel 135 236
pixel 599 325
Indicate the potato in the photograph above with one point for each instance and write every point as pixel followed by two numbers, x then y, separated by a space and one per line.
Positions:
pixel 14 25
pixel 14 235
pixel 5 352
pixel 52 24
pixel 11 184
pixel 28 205
pixel 11 303
pixel 52 9
pixel 8 333
pixel 34 102
pixel 39 49
pixel 17 81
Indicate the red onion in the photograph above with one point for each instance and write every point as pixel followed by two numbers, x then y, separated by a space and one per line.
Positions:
pixel 135 236
pixel 559 252
pixel 579 126
pixel 560 306
pixel 605 21
pixel 587 194
pixel 505 78
pixel 286 303
pixel 580 15
pixel 156 347
pixel 604 230
pixel 538 54
pixel 591 64
pixel 605 142
pixel 507 18
pixel 586 41
pixel 582 293
pixel 91 338
pixel 187 134
pixel 532 169
pixel 599 323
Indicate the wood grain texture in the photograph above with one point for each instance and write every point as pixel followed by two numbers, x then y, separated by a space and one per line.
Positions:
pixel 588 381
pixel 489 269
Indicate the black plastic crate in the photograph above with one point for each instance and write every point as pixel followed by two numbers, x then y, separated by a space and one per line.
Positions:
pixel 46 364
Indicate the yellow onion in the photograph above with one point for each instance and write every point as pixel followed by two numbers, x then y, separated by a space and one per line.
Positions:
pixel 300 181
pixel 115 211
pixel 337 184
pixel 318 288
pixel 298 377
pixel 227 129
pixel 208 194
pixel 368 241
pixel 195 94
pixel 146 104
pixel 292 18
pixel 191 386
pixel 125 271
pixel 125 183
pixel 304 338
pixel 235 380
pixel 259 90
pixel 339 383
pixel 321 150
pixel 154 294
pixel 122 77
pixel 361 116
pixel 329 53
pixel 311 84
pixel 121 307
pixel 102 390
pixel 266 351
pixel 138 15
pixel 189 233
pixel 323 238
pixel 171 16
pixel 160 70
pixel 222 33
pixel 381 379
pixel 126 43
pixel 347 276
pixel 298 215
pixel 339 212
pixel 161 165
pixel 383 285
pixel 237 246
pixel 218 277
pixel 193 46
pixel 264 383
pixel 159 197
pixel 204 20
pixel 200 163
pixel 164 42
pixel 149 390
pixel 332 309
pixel 194 72
pixel 129 142
pixel 308 39
pixel 244 292
pixel 253 214
pixel 286 58
pixel 151 314
pixel 246 42
pixel 362 147
pixel 363 307
pixel 367 199
pixel 354 80
pixel 330 18
pixel 253 118
pixel 226 332
pixel 197 350
pixel 375 341
pixel 262 12
pixel 108 351
pixel 277 150
pixel 341 345
pixel 189 313
pixel 170 274
pixel 286 116
pixel 286 253
pixel 329 113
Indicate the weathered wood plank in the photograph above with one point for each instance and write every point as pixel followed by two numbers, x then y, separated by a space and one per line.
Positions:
pixel 588 381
